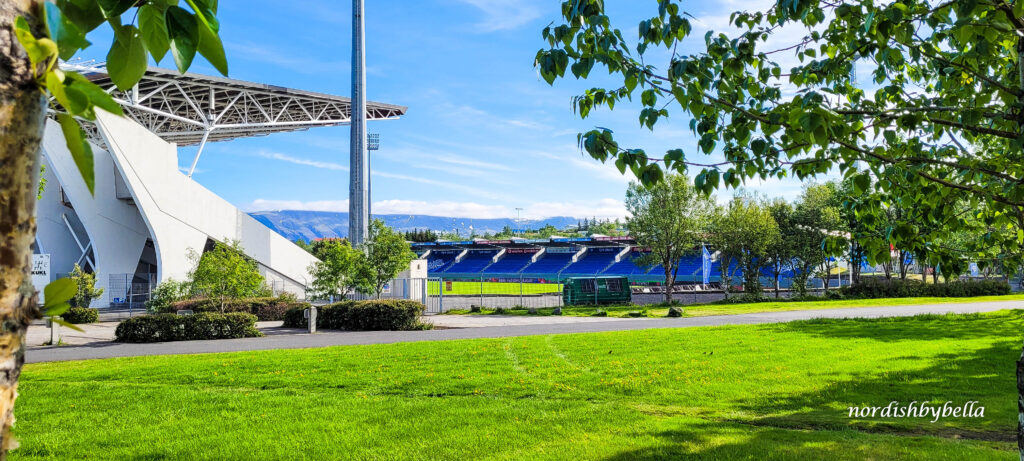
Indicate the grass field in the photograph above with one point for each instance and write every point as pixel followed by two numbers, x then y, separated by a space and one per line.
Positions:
pixel 697 310
pixel 493 288
pixel 778 391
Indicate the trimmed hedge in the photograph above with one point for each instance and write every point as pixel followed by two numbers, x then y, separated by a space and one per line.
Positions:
pixel 383 314
pixel 895 288
pixel 171 327
pixel 81 315
pixel 265 309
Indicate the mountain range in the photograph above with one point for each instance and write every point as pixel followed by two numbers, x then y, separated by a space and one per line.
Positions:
pixel 310 225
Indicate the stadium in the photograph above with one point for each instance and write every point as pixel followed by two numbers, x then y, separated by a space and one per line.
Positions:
pixel 530 272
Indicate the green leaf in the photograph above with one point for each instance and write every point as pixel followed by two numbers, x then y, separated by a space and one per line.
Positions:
pixel 205 14
pixel 861 183
pixel 39 50
pixel 65 323
pixel 86 14
pixel 68 36
pixel 184 34
pixel 212 49
pixel 59 292
pixel 114 8
pixel 81 152
pixel 153 29
pixel 96 95
pixel 126 61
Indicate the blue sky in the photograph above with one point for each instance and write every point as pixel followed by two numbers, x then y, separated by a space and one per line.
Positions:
pixel 484 134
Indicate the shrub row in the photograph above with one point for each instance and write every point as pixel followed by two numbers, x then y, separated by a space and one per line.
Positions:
pixel 170 327
pixel 383 314
pixel 895 288
pixel 81 315
pixel 265 309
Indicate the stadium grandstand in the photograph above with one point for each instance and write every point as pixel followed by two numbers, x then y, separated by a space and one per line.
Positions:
pixel 553 259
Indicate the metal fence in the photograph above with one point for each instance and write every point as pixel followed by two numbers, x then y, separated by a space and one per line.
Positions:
pixel 130 291
pixel 416 289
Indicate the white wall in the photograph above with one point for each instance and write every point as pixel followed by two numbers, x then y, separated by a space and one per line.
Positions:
pixel 181 213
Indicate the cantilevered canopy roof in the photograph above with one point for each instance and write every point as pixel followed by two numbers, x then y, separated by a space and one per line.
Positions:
pixel 187 108
pixel 190 109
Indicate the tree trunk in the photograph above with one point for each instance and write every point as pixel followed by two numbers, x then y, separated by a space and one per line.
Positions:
pixel 22 118
pixel 670 282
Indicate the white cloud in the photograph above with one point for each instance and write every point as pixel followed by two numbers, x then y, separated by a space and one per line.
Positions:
pixel 319 205
pixel 504 14
pixel 601 208
pixel 303 161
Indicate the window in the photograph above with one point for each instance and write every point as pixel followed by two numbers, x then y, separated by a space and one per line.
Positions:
pixel 614 285
pixel 587 286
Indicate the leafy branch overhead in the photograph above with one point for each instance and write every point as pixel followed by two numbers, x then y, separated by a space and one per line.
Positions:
pixel 935 116
pixel 154 28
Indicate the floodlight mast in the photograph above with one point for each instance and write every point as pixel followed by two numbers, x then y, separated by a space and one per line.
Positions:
pixel 359 174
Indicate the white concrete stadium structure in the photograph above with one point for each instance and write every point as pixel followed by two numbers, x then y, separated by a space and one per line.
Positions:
pixel 146 215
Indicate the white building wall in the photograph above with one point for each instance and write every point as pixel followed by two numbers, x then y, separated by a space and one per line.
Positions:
pixel 181 213
pixel 114 227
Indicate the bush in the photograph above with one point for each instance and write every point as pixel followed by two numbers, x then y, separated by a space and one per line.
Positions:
pixel 86 283
pixel 265 309
pixel 389 314
pixel 895 288
pixel 81 315
pixel 170 327
pixel 166 293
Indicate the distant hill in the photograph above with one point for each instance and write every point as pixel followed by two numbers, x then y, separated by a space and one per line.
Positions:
pixel 309 225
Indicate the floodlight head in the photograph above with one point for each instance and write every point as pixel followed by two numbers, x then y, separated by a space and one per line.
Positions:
pixel 373 141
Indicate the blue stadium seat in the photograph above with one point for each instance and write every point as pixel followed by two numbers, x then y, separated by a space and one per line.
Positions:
pixel 511 263
pixel 549 264
pixel 474 262
pixel 593 262
pixel 439 262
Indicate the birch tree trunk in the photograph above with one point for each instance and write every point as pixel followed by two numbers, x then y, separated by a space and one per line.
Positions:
pixel 22 118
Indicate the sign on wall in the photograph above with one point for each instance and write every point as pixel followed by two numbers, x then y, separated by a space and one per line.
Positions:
pixel 40 273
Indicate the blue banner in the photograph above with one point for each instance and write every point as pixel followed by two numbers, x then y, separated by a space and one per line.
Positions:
pixel 706 264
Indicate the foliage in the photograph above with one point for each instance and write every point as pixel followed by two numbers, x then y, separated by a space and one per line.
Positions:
pixel 815 232
pixel 334 275
pixel 384 254
pixel 153 328
pixel 162 26
pixel 776 93
pixel 420 235
pixel 166 293
pixel 225 273
pixel 78 315
pixel 671 219
pixel 380 314
pixel 86 287
pixel 896 288
pixel 264 308
pixel 743 233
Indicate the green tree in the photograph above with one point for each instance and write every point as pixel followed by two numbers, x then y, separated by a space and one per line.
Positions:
pixel 31 82
pixel 670 218
pixel 384 255
pixel 743 233
pixel 334 275
pixel 225 273
pixel 86 287
pixel 779 257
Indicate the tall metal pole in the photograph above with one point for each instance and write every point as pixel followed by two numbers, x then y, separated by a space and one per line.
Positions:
pixel 359 173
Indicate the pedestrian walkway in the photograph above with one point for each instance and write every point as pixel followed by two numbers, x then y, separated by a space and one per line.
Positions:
pixel 281 338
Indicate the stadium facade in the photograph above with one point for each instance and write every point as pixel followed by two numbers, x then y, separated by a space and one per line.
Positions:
pixel 555 258
pixel 138 228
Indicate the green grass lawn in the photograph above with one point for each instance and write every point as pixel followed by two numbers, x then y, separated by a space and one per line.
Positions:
pixel 697 310
pixel 778 391
pixel 466 288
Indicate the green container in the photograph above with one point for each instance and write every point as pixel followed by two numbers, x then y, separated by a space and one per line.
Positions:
pixel 596 290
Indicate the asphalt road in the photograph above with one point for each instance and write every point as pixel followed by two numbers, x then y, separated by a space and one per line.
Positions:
pixel 293 339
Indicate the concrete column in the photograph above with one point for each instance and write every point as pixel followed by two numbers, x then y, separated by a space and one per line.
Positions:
pixel 359 173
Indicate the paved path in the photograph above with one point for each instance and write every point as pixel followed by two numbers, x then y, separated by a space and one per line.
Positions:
pixel 280 338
